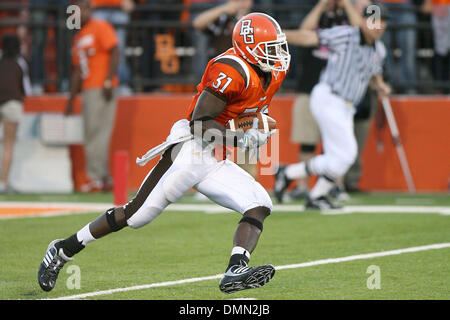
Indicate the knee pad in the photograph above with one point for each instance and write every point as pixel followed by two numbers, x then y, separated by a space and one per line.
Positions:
pixel 252 221
pixel 116 221
pixel 177 183
pixel 143 216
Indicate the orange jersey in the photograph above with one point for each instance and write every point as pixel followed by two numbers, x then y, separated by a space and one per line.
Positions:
pixel 90 51
pixel 233 79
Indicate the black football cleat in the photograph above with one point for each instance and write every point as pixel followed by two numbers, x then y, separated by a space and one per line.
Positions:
pixel 321 203
pixel 281 183
pixel 241 277
pixel 52 263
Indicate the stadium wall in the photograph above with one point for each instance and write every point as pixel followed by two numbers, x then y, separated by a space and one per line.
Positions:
pixel 143 121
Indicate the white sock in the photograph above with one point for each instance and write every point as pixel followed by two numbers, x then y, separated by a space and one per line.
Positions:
pixel 240 250
pixel 321 188
pixel 296 171
pixel 84 235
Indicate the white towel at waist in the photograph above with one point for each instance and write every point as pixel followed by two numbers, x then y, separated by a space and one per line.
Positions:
pixel 179 132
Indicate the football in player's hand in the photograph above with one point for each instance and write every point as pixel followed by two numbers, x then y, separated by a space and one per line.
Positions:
pixel 244 122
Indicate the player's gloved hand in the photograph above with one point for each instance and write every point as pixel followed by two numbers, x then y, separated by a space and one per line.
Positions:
pixel 254 138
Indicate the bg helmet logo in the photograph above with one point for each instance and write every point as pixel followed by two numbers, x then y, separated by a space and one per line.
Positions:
pixel 247 32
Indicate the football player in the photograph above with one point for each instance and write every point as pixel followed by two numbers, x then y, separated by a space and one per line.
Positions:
pixel 242 79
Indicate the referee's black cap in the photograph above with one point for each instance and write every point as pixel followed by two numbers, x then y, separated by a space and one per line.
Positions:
pixel 370 10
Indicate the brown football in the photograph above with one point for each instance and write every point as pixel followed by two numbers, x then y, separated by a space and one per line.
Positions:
pixel 244 122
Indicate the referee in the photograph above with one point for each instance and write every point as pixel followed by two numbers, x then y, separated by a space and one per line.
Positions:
pixel 355 59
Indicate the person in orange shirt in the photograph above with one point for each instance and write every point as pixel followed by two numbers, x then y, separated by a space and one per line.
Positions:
pixel 117 12
pixel 95 57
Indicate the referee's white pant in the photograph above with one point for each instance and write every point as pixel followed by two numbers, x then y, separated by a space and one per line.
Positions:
pixel 334 116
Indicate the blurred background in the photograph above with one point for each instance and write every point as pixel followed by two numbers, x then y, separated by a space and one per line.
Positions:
pixel 162 50
pixel 162 57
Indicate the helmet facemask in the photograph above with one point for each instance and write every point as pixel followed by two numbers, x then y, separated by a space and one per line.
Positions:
pixel 272 55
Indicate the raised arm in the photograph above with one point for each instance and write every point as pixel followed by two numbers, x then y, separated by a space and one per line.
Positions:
pixel 354 16
pixel 210 15
pixel 301 37
pixel 209 106
pixel 311 21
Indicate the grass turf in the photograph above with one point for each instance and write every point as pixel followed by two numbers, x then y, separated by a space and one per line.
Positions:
pixel 181 245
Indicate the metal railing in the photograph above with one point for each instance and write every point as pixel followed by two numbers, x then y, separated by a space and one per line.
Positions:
pixel 149 20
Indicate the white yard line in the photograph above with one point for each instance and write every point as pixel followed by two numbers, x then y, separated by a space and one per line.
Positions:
pixel 211 208
pixel 289 266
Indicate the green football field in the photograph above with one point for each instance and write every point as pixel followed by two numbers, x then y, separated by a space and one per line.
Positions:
pixel 384 246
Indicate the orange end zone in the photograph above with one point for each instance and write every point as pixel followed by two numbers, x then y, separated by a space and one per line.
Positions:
pixel 16 210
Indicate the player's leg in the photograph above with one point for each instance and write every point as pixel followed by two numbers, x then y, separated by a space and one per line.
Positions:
pixel 232 187
pixel 167 182
pixel 151 199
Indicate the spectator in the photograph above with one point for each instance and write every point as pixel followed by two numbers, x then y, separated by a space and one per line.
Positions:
pixel 14 85
pixel 200 40
pixel 117 12
pixel 403 72
pixel 440 19
pixel 95 57
pixel 218 23
pixel 326 14
pixel 20 13
pixel 41 10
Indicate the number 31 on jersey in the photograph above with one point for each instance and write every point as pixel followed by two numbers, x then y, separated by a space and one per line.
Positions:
pixel 216 84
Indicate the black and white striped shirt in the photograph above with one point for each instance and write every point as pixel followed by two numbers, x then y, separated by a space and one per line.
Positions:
pixel 351 61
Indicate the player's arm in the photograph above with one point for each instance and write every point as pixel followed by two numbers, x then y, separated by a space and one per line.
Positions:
pixel 223 83
pixel 209 106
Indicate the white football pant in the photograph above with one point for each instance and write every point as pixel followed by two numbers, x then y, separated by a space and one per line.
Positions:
pixel 192 166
